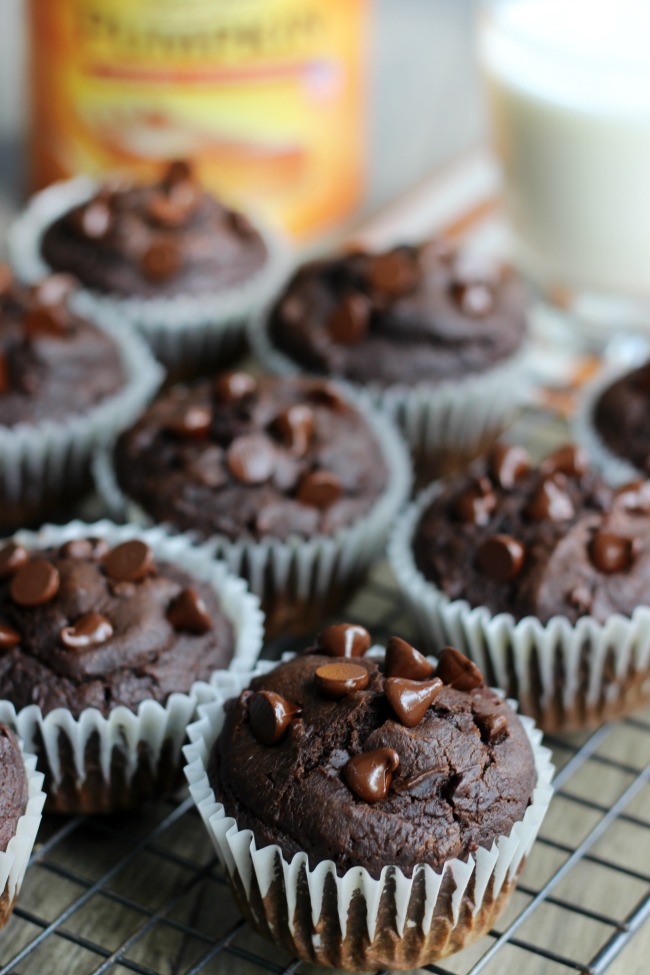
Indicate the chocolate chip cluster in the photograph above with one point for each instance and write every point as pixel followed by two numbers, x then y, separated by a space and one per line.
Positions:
pixel 410 684
pixel 36 582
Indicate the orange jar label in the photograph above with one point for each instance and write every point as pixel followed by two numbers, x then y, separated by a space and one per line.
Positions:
pixel 265 95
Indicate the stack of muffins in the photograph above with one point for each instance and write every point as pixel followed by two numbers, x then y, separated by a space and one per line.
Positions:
pixel 373 806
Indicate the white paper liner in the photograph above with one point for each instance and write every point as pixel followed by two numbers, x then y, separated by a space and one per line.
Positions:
pixel 615 470
pixel 40 460
pixel 243 861
pixel 568 676
pixel 302 570
pixel 14 860
pixel 154 724
pixel 458 416
pixel 186 330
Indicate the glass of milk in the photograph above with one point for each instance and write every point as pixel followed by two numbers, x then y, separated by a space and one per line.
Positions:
pixel 569 95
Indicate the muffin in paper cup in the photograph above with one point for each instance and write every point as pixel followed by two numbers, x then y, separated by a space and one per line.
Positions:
pixel 299 580
pixel 101 763
pixel 351 920
pixel 188 333
pixel 567 676
pixel 615 469
pixel 452 395
pixel 15 858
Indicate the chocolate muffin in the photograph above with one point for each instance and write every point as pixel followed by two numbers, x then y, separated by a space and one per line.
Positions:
pixel 162 239
pixel 20 803
pixel 542 574
pixel 620 418
pixel 414 314
pixel 14 793
pixel 48 353
pixel 108 640
pixel 375 787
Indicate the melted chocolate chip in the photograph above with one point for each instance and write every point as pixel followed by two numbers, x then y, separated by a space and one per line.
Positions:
pixel 339 679
pixel 270 715
pixel 475 505
pixel 393 274
pixel 94 220
pixel 501 557
pixel 166 211
pixel 129 562
pixel 8 637
pixel 411 699
pixel 192 423
pixel 349 322
pixel 550 502
pixel 35 584
pixel 161 260
pixel 457 670
pixel 85 549
pixel 634 497
pixel 403 660
pixel 90 630
pixel 569 459
pixel 344 640
pixel 611 553
pixel 369 775
pixel 295 427
pixel 251 458
pixel 507 464
pixel 12 558
pixel 494 726
pixel 474 298
pixel 188 612
pixel 177 171
pixel 233 386
pixel 326 394
pixel 320 489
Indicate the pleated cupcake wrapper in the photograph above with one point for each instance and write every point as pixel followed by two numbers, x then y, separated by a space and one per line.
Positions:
pixel 459 415
pixel 303 568
pixel 154 724
pixel 247 865
pixel 615 470
pixel 14 860
pixel 184 328
pixel 40 459
pixel 531 652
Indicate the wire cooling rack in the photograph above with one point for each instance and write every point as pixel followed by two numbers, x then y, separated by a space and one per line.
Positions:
pixel 143 893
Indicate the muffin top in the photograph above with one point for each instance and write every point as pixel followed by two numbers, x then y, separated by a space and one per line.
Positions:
pixel 547 541
pixel 413 314
pixel 53 364
pixel 89 626
pixel 246 457
pixel 167 238
pixel 15 789
pixel 372 762
pixel 621 417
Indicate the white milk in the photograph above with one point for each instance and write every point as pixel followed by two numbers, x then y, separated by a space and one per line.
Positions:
pixel 569 85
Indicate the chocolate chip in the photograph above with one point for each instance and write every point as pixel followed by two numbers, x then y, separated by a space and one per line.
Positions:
pixel 50 321
pixel 457 670
pixel 54 290
pixel 550 502
pixel 507 464
pixel 251 458
pixel 192 423
pixel 612 553
pixel 94 220
pixel 403 660
pixel 178 171
pixel 270 715
pixel 12 558
pixel 349 322
pixel 474 298
pixel 327 394
pixel 188 612
pixel 581 599
pixel 410 699
pixel 90 630
pixel 501 557
pixel 475 505
pixel 339 679
pixel 569 459
pixel 85 549
pixel 369 775
pixel 161 260
pixel 494 726
pixel 233 386
pixel 5 384
pixel 633 497
pixel 344 640
pixel 320 489
pixel 8 637
pixel 35 583
pixel 166 211
pixel 393 274
pixel 292 310
pixel 295 427
pixel 129 562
